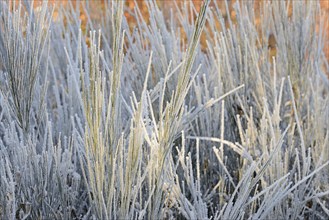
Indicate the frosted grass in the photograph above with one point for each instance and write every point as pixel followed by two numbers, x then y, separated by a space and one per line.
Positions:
pixel 104 121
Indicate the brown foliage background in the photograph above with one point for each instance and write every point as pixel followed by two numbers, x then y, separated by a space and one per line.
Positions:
pixel 165 5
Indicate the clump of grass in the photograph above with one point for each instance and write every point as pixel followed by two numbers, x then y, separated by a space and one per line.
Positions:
pixel 148 123
pixel 24 40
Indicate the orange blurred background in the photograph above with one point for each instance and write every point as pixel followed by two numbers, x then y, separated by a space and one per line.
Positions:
pixel 165 5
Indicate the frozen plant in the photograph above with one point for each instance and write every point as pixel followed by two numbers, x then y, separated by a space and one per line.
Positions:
pixel 192 114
